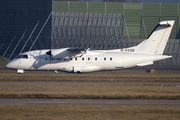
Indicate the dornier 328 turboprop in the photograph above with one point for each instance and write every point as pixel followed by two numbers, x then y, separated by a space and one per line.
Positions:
pixel 79 60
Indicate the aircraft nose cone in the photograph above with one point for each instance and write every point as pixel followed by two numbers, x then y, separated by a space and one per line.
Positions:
pixel 8 65
pixel 11 65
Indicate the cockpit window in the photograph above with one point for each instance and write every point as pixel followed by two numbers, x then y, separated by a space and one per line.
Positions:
pixel 22 56
pixel 25 56
pixel 19 56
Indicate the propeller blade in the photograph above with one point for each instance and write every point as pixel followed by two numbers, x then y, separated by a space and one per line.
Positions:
pixel 49 53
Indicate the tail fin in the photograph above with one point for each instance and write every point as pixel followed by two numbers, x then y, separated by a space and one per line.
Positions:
pixel 157 40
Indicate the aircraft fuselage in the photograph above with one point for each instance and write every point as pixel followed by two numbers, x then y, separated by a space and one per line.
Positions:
pixel 93 60
pixel 81 60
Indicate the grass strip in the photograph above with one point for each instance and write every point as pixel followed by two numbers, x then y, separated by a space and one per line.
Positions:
pixel 88 96
pixel 110 91
pixel 89 77
pixel 89 112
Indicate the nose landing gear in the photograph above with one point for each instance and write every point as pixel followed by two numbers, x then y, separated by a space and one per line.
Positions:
pixel 20 71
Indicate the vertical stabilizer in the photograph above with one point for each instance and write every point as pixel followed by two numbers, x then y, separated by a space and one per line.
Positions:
pixel 157 40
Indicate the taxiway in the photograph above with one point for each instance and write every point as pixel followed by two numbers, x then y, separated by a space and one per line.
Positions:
pixel 120 102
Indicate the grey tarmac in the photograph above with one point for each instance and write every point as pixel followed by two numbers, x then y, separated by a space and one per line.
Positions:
pixel 119 102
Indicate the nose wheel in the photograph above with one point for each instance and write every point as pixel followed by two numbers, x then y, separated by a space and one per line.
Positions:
pixel 20 71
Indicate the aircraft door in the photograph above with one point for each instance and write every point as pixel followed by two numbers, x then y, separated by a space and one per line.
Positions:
pixel 88 59
pixel 45 60
pixel 119 61
pixel 30 57
pixel 36 63
pixel 100 59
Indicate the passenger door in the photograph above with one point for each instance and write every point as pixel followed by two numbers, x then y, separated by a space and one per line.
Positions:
pixel 119 61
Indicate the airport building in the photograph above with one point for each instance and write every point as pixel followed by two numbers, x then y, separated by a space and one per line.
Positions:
pixel 44 24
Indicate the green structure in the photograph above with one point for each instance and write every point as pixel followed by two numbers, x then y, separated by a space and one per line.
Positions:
pixel 140 18
pixel 112 25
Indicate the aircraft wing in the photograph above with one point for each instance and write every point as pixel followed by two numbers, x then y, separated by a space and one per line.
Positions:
pixel 66 53
pixel 76 50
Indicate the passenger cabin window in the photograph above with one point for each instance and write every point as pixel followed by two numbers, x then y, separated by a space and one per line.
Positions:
pixel 82 59
pixel 110 58
pixel 22 56
pixel 96 59
pixel 104 59
pixel 75 58
pixel 88 59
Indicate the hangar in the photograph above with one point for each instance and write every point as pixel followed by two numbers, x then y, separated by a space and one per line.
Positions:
pixel 95 25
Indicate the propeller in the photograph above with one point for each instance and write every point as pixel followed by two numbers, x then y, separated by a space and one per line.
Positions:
pixel 50 54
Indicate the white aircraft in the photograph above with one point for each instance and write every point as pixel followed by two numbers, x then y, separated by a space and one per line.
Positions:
pixel 79 60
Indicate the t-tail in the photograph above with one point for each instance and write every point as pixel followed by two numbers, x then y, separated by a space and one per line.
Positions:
pixel 157 40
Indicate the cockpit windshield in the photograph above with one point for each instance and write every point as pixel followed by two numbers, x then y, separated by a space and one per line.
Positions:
pixel 22 56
